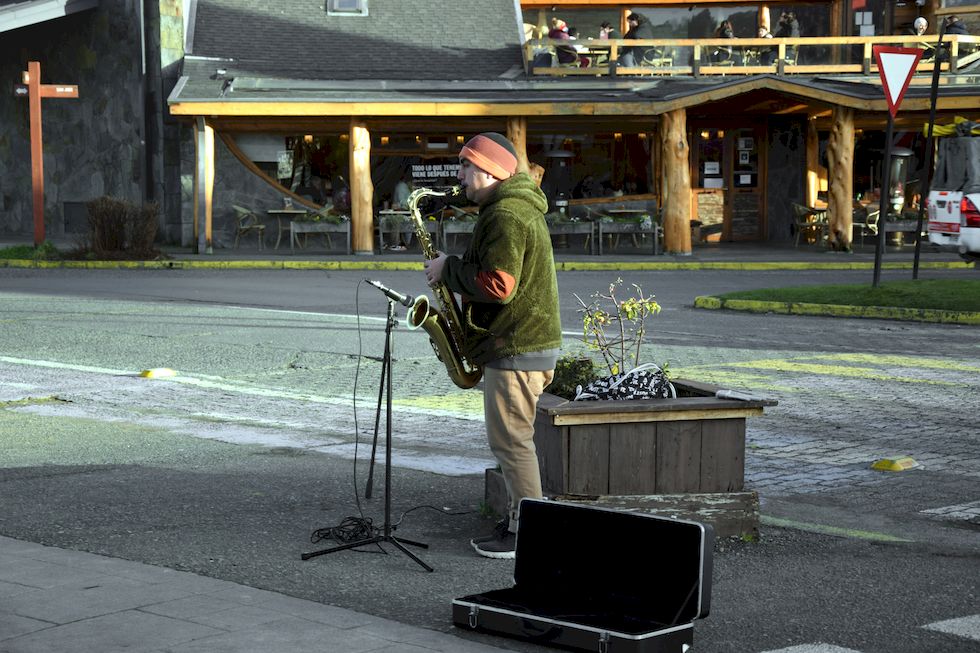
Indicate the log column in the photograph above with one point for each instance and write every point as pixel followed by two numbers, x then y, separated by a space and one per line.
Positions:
pixel 840 187
pixel 517 134
pixel 203 185
pixel 812 162
pixel 677 194
pixel 361 189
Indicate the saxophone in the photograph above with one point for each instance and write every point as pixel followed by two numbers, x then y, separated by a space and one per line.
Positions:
pixel 445 328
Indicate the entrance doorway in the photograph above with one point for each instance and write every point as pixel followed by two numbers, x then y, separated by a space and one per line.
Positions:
pixel 728 170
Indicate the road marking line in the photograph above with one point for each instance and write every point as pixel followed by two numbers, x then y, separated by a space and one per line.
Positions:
pixel 830 530
pixel 819 647
pixel 966 627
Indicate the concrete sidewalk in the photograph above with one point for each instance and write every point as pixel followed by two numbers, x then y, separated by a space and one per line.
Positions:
pixel 55 600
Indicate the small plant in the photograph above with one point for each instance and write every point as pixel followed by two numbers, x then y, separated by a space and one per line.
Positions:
pixel 615 326
pixel 44 252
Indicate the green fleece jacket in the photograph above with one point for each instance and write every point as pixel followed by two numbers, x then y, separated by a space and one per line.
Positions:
pixel 510 237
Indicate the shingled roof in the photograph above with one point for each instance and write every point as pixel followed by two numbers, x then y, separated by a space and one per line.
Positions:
pixel 397 40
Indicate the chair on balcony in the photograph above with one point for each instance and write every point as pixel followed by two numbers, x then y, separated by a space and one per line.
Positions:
pixel 657 57
pixel 813 222
pixel 248 223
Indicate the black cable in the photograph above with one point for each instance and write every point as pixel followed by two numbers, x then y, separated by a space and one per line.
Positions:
pixel 441 511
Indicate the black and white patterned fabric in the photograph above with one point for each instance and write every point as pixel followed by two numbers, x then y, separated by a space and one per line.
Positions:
pixel 644 382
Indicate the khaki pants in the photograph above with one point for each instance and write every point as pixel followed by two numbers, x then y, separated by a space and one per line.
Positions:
pixel 510 398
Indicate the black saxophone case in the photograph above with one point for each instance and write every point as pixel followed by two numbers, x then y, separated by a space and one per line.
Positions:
pixel 594 579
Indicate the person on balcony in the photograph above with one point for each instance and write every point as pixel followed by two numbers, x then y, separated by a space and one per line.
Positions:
pixel 919 27
pixel 723 54
pixel 640 28
pixel 955 26
pixel 559 32
pixel 605 31
pixel 789 27
pixel 767 55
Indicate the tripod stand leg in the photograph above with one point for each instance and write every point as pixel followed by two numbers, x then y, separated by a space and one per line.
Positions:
pixel 411 542
pixel 410 554
pixel 369 486
pixel 342 547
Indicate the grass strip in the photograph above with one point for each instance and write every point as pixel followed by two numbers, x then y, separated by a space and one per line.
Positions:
pixel 959 295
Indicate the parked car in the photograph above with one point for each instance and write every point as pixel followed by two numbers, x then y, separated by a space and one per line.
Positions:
pixel 954 197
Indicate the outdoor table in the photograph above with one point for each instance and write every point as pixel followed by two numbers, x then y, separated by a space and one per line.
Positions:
pixel 326 228
pixel 633 227
pixel 284 217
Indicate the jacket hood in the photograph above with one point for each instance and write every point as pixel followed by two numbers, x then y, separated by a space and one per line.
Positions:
pixel 520 187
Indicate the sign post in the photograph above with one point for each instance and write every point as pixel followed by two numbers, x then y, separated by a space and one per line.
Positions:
pixel 36 91
pixel 896 67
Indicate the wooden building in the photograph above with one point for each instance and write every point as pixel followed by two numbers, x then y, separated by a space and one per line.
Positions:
pixel 245 104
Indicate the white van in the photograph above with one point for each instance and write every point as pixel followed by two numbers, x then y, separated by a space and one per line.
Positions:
pixel 954 198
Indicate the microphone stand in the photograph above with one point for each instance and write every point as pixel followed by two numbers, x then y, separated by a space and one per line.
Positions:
pixel 385 534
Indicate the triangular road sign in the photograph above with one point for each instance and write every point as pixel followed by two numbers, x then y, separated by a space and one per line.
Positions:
pixel 896 67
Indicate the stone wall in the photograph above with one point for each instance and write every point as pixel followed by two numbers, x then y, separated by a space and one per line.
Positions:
pixel 92 145
pixel 233 184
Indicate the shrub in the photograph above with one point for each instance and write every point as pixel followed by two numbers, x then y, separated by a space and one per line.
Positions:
pixel 119 229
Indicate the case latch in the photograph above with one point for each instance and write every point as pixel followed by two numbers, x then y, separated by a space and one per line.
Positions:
pixel 474 613
pixel 604 643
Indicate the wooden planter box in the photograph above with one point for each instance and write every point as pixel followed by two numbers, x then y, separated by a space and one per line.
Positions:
pixel 664 455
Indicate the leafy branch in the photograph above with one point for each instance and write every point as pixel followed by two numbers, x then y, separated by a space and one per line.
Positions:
pixel 615 327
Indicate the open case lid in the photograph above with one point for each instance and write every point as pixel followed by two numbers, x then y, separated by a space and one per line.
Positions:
pixel 628 561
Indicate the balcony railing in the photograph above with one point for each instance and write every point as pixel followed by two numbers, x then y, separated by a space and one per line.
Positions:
pixel 755 56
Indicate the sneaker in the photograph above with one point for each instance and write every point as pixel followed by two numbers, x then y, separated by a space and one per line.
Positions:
pixel 498 531
pixel 501 547
pixel 397 248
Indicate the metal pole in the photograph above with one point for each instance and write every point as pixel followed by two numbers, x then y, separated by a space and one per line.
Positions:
pixel 886 170
pixel 926 181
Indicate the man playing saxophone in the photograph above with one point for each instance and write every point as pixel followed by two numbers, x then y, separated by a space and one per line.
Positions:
pixel 509 289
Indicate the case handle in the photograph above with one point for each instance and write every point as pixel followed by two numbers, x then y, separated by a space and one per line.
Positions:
pixel 474 613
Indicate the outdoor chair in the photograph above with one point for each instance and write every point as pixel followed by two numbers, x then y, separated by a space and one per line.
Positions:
pixel 656 57
pixel 813 222
pixel 248 223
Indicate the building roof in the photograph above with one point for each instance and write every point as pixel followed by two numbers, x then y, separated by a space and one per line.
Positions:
pixel 397 40
pixel 21 13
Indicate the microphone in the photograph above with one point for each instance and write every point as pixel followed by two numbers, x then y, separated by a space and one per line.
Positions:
pixel 394 295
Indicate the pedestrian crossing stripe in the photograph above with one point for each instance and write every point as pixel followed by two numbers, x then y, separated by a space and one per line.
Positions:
pixel 965 511
pixel 966 627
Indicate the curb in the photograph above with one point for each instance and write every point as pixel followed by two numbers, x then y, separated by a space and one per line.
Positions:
pixel 839 310
pixel 561 266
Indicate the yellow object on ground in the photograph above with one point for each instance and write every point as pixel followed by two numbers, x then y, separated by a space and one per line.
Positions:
pixel 158 373
pixel 894 464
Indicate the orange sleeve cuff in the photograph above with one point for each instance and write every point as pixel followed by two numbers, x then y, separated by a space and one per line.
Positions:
pixel 496 285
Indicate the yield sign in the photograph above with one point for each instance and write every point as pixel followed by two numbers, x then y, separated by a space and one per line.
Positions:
pixel 896 66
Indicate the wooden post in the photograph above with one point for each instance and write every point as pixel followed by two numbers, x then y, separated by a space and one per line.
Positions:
pixel 677 194
pixel 517 134
pixel 840 196
pixel 765 20
pixel 36 91
pixel 812 163
pixel 361 189
pixel 203 185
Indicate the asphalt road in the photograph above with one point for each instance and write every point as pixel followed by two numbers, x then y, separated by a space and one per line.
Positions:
pixel 226 469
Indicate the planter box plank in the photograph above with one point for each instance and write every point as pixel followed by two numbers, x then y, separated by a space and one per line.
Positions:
pixel 588 459
pixel 678 457
pixel 722 455
pixel 552 448
pixel 632 459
